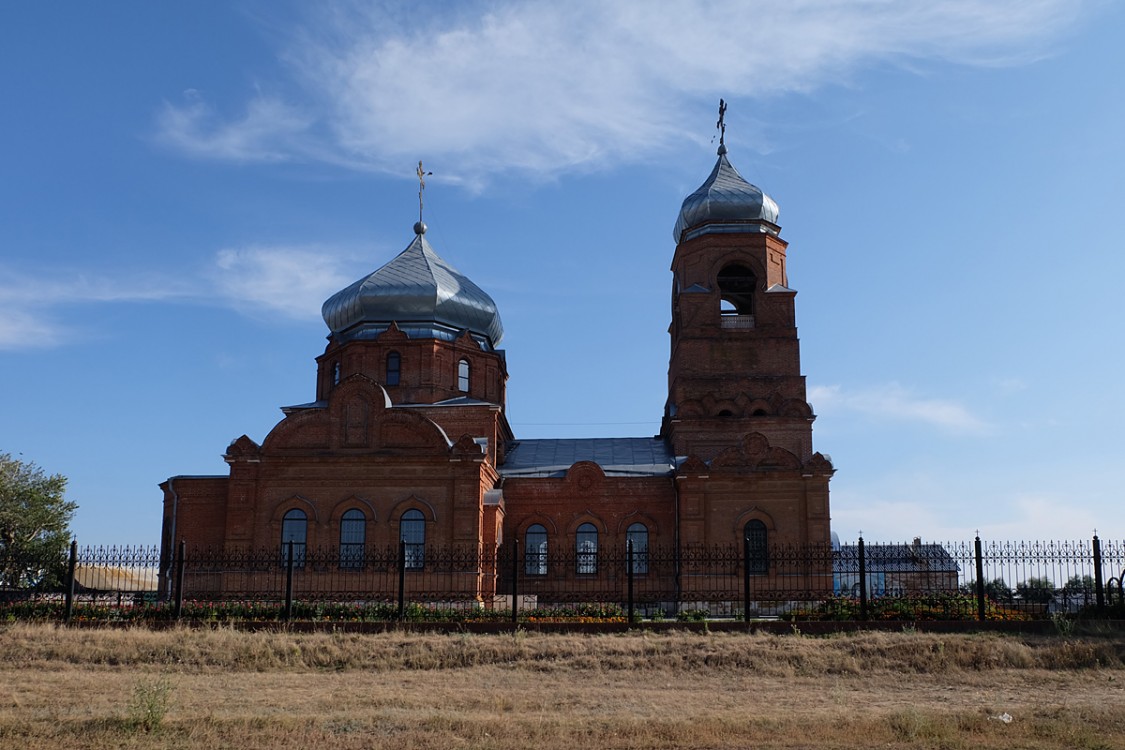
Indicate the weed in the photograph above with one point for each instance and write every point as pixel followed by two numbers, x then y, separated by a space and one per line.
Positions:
pixel 149 704
pixel 1064 625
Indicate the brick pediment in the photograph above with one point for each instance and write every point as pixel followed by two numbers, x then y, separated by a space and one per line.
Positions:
pixel 359 416
pixel 586 474
pixel 243 449
pixel 756 453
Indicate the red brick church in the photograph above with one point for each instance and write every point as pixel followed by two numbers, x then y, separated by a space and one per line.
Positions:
pixel 407 438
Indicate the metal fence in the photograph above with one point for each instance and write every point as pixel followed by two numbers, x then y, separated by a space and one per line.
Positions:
pixel 864 581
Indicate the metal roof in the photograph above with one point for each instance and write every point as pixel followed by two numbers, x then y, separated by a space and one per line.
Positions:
pixel 898 558
pixel 616 456
pixel 420 292
pixel 725 203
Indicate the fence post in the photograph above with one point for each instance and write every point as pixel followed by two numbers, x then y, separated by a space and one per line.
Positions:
pixel 629 576
pixel 72 564
pixel 515 581
pixel 746 579
pixel 862 581
pixel 977 552
pixel 289 581
pixel 1099 590
pixel 178 593
pixel 401 579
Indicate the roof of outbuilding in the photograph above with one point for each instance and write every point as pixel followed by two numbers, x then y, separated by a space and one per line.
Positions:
pixel 615 456
pixel 898 558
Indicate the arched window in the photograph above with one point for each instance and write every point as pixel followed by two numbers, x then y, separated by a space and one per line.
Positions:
pixel 535 550
pixel 295 529
pixel 757 550
pixel 335 373
pixel 737 285
pixel 394 368
pixel 463 376
pixel 353 538
pixel 586 547
pixel 637 534
pixel 412 530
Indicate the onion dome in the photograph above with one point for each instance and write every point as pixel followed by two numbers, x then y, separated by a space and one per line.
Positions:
pixel 726 203
pixel 421 294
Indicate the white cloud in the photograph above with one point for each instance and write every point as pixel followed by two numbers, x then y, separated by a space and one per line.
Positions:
pixel 37 312
pixel 893 402
pixel 292 281
pixel 898 508
pixel 31 307
pixel 540 87
pixel 269 130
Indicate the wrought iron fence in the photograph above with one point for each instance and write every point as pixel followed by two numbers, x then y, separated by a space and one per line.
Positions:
pixel 975 580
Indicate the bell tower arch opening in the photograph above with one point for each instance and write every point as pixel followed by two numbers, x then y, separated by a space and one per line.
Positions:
pixel 737 287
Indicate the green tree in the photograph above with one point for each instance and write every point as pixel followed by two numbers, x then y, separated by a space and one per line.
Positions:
pixel 1079 585
pixel 996 589
pixel 1036 590
pixel 34 525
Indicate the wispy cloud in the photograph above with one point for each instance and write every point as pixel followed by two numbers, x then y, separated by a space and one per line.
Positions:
pixel 32 307
pixel 541 87
pixel 38 312
pixel 893 402
pixel 942 511
pixel 292 281
pixel 268 130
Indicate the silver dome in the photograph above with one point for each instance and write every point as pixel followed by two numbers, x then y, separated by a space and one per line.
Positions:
pixel 726 202
pixel 421 293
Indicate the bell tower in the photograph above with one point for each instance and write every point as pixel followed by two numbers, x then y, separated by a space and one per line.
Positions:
pixel 737 416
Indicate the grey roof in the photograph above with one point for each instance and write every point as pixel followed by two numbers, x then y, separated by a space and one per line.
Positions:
pixel 616 456
pixel 420 292
pixel 898 558
pixel 726 202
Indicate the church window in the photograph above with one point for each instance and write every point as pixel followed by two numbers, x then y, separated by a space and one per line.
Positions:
pixel 353 537
pixel 737 285
pixel 294 531
pixel 463 376
pixel 394 368
pixel 586 547
pixel 335 373
pixel 637 534
pixel 412 531
pixel 535 550
pixel 757 550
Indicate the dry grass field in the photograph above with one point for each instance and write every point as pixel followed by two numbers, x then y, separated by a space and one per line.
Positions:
pixel 87 688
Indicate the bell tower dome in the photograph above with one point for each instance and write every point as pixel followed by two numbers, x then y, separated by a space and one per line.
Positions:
pixel 734 367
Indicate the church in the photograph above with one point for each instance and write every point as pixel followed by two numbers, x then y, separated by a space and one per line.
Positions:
pixel 406 444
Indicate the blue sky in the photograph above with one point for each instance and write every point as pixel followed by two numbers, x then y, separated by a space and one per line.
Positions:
pixel 183 184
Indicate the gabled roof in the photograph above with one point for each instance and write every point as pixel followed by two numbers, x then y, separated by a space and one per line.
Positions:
pixel 894 558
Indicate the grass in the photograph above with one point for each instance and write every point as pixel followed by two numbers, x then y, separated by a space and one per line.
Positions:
pixel 214 688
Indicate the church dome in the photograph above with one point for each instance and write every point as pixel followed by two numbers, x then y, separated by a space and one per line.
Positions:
pixel 421 294
pixel 726 203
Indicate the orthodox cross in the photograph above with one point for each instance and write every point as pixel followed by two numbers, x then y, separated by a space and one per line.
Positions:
pixel 422 174
pixel 722 126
